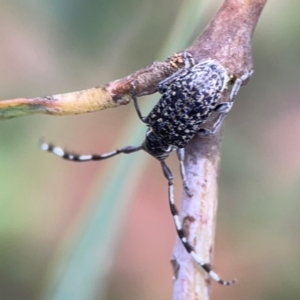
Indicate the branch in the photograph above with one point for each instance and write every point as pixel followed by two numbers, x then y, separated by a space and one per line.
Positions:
pixel 113 94
pixel 227 39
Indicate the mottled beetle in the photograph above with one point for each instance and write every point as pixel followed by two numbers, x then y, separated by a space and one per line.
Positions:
pixel 189 96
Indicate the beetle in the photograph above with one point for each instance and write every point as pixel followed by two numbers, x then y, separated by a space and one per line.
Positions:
pixel 189 97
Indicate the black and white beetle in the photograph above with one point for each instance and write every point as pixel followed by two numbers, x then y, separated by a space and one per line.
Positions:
pixel 189 96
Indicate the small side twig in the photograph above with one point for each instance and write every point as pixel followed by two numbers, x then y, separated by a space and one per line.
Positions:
pixel 113 94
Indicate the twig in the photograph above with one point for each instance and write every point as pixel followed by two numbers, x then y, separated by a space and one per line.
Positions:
pixel 227 39
pixel 113 94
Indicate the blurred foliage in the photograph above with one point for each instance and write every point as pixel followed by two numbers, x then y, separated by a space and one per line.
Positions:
pixel 48 47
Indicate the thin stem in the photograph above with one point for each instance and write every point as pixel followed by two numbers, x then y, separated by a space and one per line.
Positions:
pixel 227 39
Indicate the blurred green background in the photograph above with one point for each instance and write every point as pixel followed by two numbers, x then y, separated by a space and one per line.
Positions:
pixel 50 47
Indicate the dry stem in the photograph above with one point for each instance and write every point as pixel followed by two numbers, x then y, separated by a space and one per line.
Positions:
pixel 114 94
pixel 227 39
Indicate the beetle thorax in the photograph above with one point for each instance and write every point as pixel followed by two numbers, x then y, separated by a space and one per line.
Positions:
pixel 156 146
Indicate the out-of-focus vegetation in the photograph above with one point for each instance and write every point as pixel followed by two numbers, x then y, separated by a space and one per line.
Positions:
pixel 49 47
